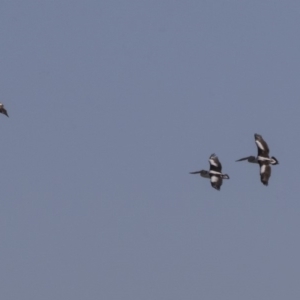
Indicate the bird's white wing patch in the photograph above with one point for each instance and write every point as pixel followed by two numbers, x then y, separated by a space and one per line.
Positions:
pixel 263 169
pixel 259 145
pixel 213 162
pixel 214 179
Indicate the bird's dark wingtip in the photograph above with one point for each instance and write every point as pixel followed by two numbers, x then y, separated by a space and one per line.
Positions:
pixel 216 188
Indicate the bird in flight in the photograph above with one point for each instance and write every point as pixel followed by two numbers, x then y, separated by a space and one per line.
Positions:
pixel 262 159
pixel 3 110
pixel 215 172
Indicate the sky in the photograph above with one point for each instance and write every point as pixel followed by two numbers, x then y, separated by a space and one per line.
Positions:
pixel 111 104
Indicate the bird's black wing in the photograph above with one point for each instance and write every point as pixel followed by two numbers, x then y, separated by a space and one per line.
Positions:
pixel 215 164
pixel 265 172
pixel 216 181
pixel 262 146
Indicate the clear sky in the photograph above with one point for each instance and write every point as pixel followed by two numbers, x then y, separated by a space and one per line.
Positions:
pixel 112 104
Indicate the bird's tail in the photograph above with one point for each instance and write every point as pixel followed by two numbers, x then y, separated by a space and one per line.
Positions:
pixel 275 161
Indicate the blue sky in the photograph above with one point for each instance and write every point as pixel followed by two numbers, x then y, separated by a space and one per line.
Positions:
pixel 112 104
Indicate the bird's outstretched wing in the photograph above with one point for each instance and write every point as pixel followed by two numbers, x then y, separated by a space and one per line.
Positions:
pixel 216 182
pixel 265 173
pixel 3 111
pixel 262 146
pixel 215 164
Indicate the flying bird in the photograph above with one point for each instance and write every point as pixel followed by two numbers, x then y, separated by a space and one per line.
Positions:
pixel 3 110
pixel 214 173
pixel 262 159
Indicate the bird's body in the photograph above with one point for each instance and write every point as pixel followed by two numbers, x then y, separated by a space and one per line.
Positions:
pixel 215 172
pixel 262 159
